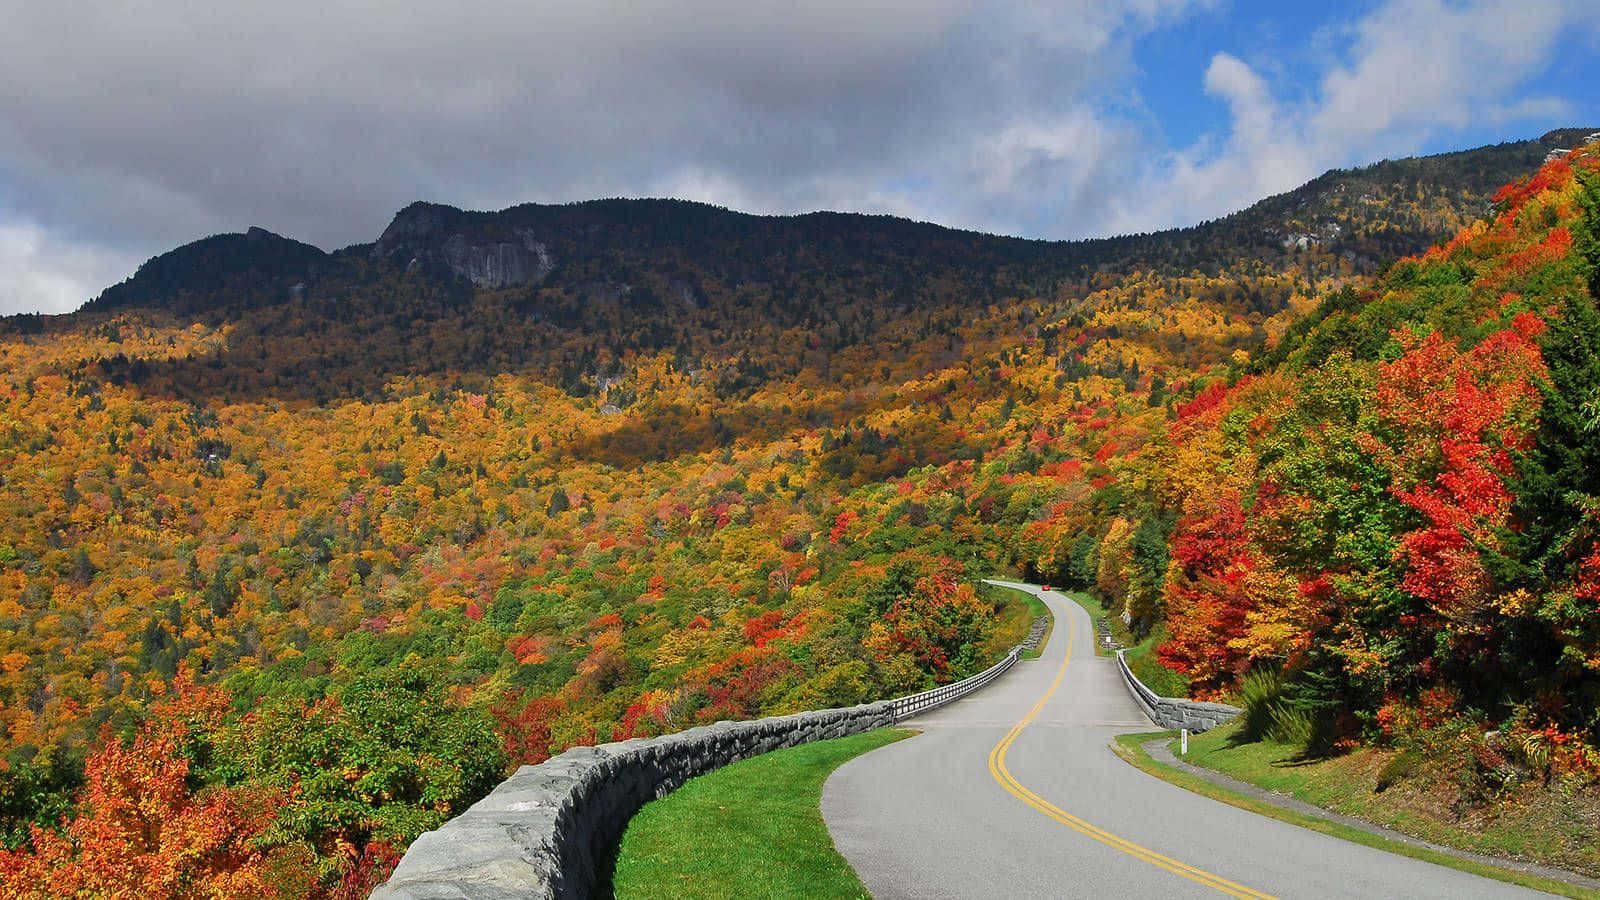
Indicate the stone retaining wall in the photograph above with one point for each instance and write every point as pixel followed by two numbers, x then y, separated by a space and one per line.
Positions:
pixel 1171 712
pixel 1035 634
pixel 547 831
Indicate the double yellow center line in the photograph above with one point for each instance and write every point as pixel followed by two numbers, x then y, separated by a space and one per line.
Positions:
pixel 997 768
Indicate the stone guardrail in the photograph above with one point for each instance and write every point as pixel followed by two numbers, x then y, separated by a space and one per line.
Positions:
pixel 549 830
pixel 1171 712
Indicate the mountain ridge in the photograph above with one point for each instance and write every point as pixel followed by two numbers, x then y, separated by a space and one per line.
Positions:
pixel 512 247
pixel 350 547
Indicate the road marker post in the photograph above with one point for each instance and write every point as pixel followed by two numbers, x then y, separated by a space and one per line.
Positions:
pixel 1183 742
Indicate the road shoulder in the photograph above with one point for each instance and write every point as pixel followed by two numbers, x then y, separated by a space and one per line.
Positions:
pixel 1150 753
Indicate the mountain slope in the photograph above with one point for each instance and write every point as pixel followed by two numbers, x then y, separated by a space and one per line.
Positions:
pixel 251 268
pixel 1372 214
pixel 1393 524
pixel 557 474
pixel 564 293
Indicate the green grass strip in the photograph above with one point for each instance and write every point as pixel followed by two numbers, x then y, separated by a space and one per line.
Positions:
pixel 752 829
pixel 1130 748
pixel 1036 608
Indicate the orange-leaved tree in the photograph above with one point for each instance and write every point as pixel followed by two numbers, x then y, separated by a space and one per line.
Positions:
pixel 141 832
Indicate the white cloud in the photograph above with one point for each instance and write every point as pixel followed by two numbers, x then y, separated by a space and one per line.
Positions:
pixel 1421 65
pixel 1411 71
pixel 1247 94
pixel 137 127
pixel 42 272
pixel 319 119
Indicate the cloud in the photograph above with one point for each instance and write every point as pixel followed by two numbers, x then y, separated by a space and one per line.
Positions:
pixel 41 272
pixel 140 126
pixel 1421 65
pixel 1248 96
pixel 126 129
pixel 1409 72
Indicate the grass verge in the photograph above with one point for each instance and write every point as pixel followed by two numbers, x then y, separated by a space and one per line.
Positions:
pixel 752 829
pixel 1148 668
pixel 1015 613
pixel 1130 748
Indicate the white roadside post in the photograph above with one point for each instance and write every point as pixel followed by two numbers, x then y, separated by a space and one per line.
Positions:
pixel 1183 742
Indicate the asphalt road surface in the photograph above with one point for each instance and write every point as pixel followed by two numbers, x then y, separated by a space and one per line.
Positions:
pixel 975 807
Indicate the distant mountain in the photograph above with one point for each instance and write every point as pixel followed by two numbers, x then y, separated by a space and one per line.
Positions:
pixel 564 291
pixel 235 269
pixel 1366 215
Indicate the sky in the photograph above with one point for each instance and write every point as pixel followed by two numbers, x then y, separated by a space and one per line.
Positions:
pixel 129 127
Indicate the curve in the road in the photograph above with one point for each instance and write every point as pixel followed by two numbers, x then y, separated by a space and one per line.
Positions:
pixel 939 815
pixel 997 768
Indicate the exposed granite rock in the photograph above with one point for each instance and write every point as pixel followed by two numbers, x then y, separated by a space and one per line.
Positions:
pixel 470 246
pixel 500 264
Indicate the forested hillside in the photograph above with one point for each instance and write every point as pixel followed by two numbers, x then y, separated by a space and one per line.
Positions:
pixel 303 550
pixel 1387 526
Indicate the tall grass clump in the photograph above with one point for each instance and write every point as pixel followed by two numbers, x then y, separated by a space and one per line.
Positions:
pixel 1271 713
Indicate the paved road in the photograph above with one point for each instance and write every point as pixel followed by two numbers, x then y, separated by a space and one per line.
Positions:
pixel 974 808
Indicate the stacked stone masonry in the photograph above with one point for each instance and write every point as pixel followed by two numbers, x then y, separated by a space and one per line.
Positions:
pixel 549 830
pixel 1035 634
pixel 1171 712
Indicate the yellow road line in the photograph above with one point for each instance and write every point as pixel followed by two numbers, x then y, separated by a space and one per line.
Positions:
pixel 997 768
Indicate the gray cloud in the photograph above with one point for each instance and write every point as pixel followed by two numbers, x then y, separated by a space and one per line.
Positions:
pixel 40 272
pixel 135 126
pixel 129 127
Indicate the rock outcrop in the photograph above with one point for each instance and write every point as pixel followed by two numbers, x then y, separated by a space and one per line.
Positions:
pixel 484 250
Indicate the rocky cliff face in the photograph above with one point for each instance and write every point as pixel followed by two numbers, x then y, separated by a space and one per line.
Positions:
pixel 500 264
pixel 644 254
pixel 482 250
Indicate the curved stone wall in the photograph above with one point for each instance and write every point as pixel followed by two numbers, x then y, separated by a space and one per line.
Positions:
pixel 1171 712
pixel 547 831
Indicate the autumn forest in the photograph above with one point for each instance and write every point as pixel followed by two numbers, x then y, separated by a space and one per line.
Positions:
pixel 303 552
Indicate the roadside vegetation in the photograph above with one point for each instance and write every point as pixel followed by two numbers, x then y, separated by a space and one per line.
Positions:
pixel 1552 823
pixel 1146 665
pixel 1338 784
pixel 1382 539
pixel 730 834
pixel 1015 612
